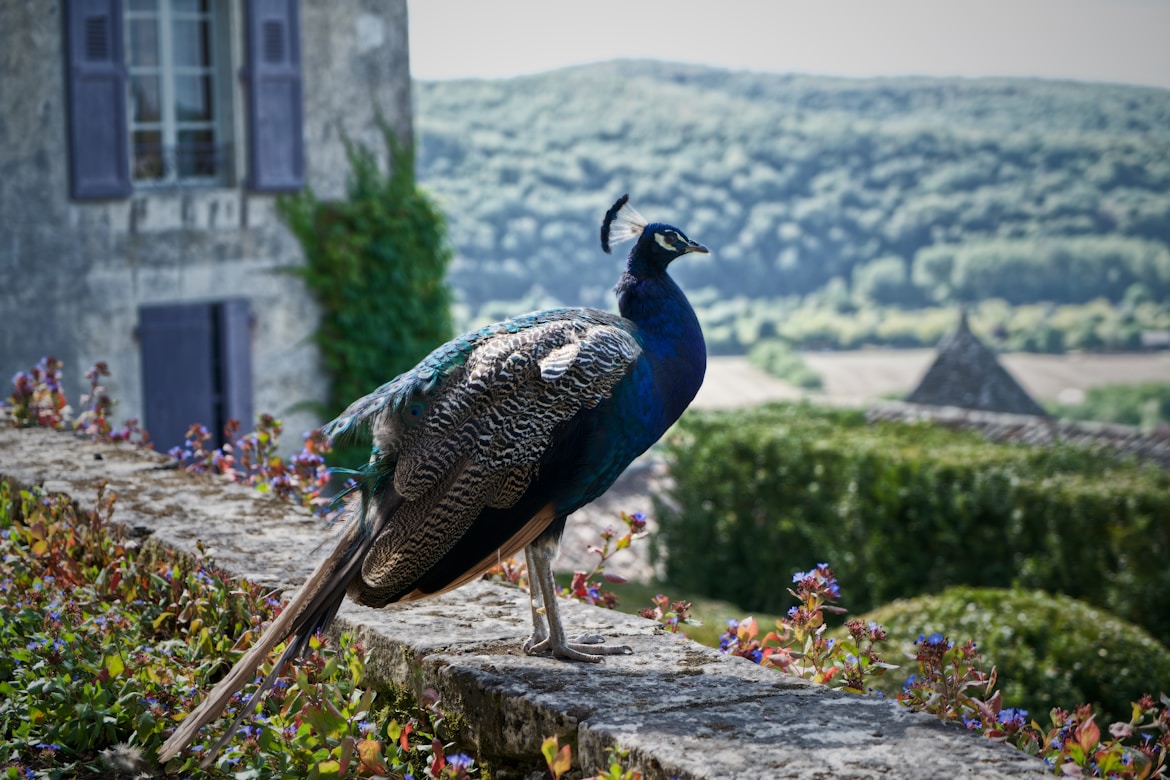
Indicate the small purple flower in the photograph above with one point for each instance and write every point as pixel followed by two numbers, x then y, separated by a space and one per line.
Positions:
pixel 1013 718
pixel 367 727
pixel 460 761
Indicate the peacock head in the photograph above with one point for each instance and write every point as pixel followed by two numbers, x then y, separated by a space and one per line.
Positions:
pixel 656 244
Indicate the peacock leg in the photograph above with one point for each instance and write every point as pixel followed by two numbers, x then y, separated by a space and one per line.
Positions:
pixel 540 556
pixel 536 600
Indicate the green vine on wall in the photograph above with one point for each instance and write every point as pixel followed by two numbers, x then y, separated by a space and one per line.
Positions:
pixel 376 262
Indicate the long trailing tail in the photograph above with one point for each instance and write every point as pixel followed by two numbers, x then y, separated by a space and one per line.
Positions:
pixel 310 611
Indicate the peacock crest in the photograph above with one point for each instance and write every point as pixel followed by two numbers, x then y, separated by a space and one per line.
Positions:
pixel 622 222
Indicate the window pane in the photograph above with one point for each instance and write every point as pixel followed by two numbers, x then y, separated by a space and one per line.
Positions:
pixel 148 154
pixel 196 155
pixel 191 6
pixel 192 40
pixel 144 98
pixel 193 99
pixel 143 43
pixel 149 6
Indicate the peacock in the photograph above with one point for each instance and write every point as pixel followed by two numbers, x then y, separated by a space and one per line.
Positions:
pixel 488 445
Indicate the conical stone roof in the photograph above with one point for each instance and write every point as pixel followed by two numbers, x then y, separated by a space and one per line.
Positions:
pixel 965 373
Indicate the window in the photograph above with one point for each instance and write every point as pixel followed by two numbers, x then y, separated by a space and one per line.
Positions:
pixel 177 65
pixel 150 92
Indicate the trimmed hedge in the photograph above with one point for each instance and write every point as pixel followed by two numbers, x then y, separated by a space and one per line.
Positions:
pixel 1049 650
pixel 900 510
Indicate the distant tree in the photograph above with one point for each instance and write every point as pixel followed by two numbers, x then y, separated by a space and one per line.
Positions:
pixel 885 281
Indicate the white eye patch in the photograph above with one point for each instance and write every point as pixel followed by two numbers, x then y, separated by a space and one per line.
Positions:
pixel 664 242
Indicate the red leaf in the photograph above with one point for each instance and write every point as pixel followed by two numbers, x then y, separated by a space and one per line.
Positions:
pixel 438 760
pixel 1088 735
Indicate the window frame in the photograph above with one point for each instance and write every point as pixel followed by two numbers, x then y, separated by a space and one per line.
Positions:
pixel 168 125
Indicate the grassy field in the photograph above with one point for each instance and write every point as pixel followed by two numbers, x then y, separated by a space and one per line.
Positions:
pixel 864 375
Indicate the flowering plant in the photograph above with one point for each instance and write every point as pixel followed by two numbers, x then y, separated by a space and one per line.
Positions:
pixel 798 644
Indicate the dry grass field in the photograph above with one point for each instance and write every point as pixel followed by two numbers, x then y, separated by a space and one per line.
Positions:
pixel 864 375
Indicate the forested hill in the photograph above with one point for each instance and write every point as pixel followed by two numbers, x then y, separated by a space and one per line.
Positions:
pixel 907 190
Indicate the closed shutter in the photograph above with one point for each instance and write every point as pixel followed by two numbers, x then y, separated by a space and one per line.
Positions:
pixel 196 368
pixel 235 361
pixel 96 89
pixel 276 150
pixel 178 371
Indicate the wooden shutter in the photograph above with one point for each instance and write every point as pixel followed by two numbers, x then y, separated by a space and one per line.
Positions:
pixel 178 377
pixel 96 90
pixel 235 361
pixel 276 149
pixel 196 368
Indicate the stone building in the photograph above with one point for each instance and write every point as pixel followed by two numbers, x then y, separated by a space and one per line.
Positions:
pixel 143 144
pixel 966 374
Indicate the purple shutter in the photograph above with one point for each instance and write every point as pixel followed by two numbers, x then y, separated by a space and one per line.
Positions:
pixel 276 149
pixel 235 361
pixel 178 377
pixel 96 89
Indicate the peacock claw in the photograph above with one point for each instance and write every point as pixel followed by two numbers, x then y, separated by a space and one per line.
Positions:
pixel 590 652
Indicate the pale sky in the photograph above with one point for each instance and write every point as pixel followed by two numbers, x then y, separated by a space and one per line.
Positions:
pixel 1122 41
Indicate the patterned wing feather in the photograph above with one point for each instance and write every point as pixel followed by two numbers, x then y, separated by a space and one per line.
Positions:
pixel 481 435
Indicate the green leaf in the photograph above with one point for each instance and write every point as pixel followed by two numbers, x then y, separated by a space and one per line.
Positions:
pixel 115 665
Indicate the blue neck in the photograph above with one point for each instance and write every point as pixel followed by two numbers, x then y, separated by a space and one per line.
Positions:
pixel 670 335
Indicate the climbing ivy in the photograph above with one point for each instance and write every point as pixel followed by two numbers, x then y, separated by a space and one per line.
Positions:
pixel 376 262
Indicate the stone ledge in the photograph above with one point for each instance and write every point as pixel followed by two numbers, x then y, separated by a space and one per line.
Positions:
pixel 683 710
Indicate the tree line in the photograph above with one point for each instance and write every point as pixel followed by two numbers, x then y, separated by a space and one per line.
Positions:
pixel 903 192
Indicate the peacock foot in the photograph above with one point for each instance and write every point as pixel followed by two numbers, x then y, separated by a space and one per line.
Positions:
pixel 589 648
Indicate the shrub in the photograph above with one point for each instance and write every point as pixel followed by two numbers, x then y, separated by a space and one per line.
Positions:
pixel 1146 405
pixel 777 358
pixel 1049 650
pixel 907 509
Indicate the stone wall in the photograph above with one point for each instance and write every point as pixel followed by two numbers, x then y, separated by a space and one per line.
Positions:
pixel 74 273
pixel 683 710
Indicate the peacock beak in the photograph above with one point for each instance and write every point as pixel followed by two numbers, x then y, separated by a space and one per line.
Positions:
pixel 695 247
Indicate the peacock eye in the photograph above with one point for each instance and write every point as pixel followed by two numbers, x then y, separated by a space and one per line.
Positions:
pixel 667 240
